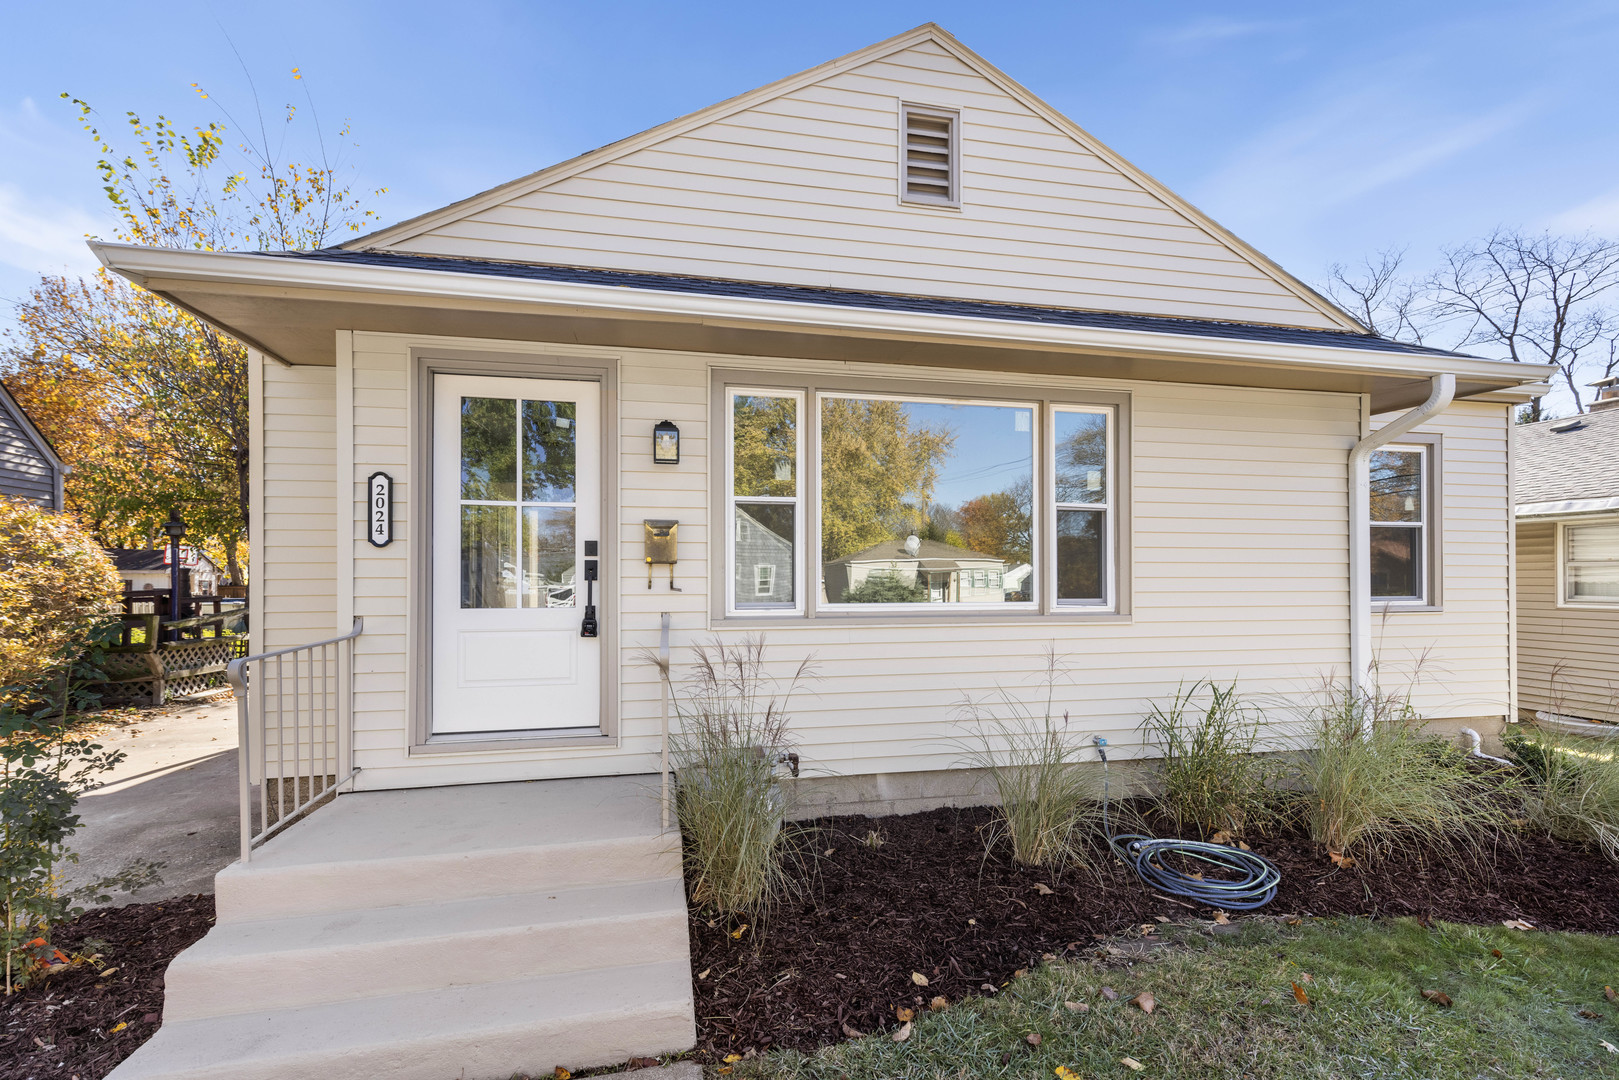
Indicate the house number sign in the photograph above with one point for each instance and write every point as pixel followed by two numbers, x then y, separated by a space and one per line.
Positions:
pixel 380 509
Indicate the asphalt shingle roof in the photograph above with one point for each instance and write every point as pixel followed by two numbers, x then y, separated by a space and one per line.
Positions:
pixel 1554 466
pixel 804 294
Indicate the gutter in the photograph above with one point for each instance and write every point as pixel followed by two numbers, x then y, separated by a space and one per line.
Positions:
pixel 1360 531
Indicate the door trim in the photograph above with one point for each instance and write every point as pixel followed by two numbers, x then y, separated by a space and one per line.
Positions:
pixel 426 362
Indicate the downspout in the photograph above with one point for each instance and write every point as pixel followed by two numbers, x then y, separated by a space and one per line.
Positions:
pixel 1360 530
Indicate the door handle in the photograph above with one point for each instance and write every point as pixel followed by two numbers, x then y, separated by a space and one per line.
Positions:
pixel 588 626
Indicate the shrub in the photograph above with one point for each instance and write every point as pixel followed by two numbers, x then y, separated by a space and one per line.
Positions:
pixel 885 589
pixel 733 731
pixel 1050 808
pixel 1573 788
pixel 1212 779
pixel 1377 785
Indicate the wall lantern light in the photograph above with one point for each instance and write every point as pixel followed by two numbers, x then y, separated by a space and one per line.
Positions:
pixel 665 444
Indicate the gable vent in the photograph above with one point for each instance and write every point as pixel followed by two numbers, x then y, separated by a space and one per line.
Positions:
pixel 931 155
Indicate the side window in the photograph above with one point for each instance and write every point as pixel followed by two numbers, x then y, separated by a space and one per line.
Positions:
pixel 1591 564
pixel 766 487
pixel 1401 540
pixel 1082 466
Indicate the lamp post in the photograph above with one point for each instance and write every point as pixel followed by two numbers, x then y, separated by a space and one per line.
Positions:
pixel 175 529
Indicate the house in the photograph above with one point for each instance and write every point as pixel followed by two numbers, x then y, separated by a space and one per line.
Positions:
pixel 894 290
pixel 925 571
pixel 1566 500
pixel 29 467
pixel 142 569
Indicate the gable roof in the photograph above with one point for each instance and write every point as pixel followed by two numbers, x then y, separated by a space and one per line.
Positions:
pixel 147 560
pixel 26 422
pixel 930 554
pixel 1156 249
pixel 1570 471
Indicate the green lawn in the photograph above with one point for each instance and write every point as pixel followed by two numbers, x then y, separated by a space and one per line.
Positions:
pixel 1226 1008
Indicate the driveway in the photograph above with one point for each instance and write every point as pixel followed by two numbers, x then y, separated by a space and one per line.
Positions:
pixel 173 800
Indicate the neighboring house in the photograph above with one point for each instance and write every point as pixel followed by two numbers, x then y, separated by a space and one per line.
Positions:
pixel 1566 495
pixel 29 467
pixel 142 569
pixel 1226 476
pixel 940 572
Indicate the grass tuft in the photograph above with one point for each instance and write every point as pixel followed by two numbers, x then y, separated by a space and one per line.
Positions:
pixel 1211 778
pixel 1573 793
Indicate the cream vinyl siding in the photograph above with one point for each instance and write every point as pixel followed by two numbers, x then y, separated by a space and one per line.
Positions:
pixel 1568 657
pixel 1456 661
pixel 1240 571
pixel 802 188
pixel 294 560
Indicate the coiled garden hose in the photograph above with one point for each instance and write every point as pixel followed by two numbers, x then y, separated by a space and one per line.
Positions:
pixel 1253 886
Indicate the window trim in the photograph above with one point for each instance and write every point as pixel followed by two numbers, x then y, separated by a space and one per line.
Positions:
pixel 724 382
pixel 1106 508
pixel 1560 555
pixel 937 112
pixel 1431 445
pixel 733 605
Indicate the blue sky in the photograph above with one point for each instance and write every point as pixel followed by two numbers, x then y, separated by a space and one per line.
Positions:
pixel 1318 132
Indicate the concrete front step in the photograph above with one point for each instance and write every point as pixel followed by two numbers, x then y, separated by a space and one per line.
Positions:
pixel 288 963
pixel 436 845
pixel 484 1032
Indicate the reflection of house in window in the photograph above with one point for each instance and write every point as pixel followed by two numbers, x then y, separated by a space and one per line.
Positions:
pixel 764 561
pixel 922 571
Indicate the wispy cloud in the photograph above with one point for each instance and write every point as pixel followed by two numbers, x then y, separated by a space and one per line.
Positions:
pixel 1599 215
pixel 38 236
pixel 1217 30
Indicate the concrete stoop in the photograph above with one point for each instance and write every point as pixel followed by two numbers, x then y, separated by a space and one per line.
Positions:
pixel 462 932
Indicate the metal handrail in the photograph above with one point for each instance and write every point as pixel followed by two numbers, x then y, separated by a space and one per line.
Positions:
pixel 320 703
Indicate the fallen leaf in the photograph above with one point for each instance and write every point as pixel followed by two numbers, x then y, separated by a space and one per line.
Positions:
pixel 852 1033
pixel 1144 1001
pixel 831 851
pixel 939 1004
pixel 724 1070
pixel 116 1028
pixel 1299 995
pixel 736 935
pixel 1048 957
pixel 1340 859
pixel 1221 919
pixel 1221 837
pixel 1110 993
pixel 1517 924
pixel 1032 1038
pixel 732 1059
pixel 988 986
pixel 703 974
pixel 1496 953
pixel 1042 889
pixel 1244 846
pixel 1306 977
pixel 903 1033
pixel 104 974
pixel 1160 918
pixel 1589 1015
pixel 1131 1063
pixel 1608 1046
pixel 904 1015
pixel 1438 997
pixel 1063 1072
pixel 1607 992
pixel 1076 1006
pixel 1019 973
pixel 643 1063
pixel 1293 920
pixel 918 978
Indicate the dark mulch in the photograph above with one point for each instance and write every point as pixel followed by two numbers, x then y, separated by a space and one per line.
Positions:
pixel 63 1025
pixel 929 901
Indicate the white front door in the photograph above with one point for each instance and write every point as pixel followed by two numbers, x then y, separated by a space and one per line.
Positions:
pixel 516 530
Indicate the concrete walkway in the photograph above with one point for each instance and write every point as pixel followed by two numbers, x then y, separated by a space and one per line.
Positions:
pixel 173 800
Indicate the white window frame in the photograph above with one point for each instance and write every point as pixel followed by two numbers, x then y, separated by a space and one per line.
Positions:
pixel 1110 531
pixel 935 112
pixel 924 606
pixel 1428 546
pixel 764 579
pixel 734 605
pixel 1564 600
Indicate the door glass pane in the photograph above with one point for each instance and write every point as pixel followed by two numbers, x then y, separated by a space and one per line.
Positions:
pixel 548 556
pixel 765 445
pixel 1396 485
pixel 550 432
pixel 1081 457
pixel 488 448
pixel 919 496
pixel 1080 555
pixel 764 553
pixel 1396 562
pixel 488 556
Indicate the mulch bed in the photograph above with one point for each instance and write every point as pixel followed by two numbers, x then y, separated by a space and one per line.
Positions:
pixel 63 1025
pixel 928 900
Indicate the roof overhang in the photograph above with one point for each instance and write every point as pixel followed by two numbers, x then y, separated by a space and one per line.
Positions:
pixel 291 309
pixel 1566 508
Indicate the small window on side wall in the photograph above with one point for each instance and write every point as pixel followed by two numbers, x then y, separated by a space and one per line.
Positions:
pixel 1591 564
pixel 930 156
pixel 766 495
pixel 1401 540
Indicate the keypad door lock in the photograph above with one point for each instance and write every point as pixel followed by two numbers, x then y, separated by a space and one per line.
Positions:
pixel 589 627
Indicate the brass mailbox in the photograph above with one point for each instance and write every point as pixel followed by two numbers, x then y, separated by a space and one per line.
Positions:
pixel 662 547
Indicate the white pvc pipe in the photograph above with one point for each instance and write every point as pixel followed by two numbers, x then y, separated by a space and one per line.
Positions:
pixel 1360 529
pixel 1478 747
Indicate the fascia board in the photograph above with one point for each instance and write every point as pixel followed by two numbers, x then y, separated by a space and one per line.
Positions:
pixel 170 266
pixel 1551 511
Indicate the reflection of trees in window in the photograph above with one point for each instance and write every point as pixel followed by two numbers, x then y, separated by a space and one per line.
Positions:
pixel 1081 457
pixel 550 431
pixel 488 448
pixel 764 445
pixel 1001 523
pixel 1396 477
pixel 886 588
pixel 878 472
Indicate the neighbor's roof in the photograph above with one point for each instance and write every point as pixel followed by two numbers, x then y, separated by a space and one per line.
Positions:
pixel 930 554
pixel 805 294
pixel 1570 471
pixel 142 560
